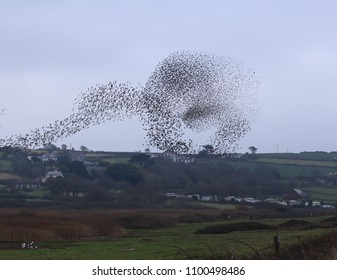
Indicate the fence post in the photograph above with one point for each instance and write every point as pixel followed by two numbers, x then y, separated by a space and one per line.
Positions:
pixel 277 246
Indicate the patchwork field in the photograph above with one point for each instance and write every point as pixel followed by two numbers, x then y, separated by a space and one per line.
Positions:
pixel 322 193
pixel 288 167
pixel 315 163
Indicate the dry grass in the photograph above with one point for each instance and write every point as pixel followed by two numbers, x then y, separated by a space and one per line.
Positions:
pixel 45 225
pixel 8 176
pixel 22 225
pixel 319 248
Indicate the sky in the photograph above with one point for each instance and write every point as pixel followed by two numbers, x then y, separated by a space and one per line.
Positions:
pixel 51 51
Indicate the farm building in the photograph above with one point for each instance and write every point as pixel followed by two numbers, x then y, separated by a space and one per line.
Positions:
pixel 295 194
pixel 49 157
pixel 53 174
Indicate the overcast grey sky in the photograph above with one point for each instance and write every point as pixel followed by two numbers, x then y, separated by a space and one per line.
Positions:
pixel 51 51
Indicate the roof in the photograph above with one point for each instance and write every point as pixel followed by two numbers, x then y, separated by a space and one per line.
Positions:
pixel 299 192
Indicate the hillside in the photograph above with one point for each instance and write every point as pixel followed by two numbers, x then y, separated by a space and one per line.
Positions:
pixel 311 156
pixel 113 177
pixel 321 167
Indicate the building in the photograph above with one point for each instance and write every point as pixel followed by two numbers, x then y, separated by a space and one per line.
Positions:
pixel 177 158
pixel 52 174
pixel 296 194
pixel 49 157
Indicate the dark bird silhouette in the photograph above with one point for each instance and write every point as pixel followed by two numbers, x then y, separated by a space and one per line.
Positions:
pixel 187 91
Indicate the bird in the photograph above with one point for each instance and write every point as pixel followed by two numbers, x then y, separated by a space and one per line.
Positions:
pixel 187 92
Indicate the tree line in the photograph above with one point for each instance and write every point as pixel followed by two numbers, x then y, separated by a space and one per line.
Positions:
pixel 143 175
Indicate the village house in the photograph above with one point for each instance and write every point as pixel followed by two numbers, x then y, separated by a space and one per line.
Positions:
pixel 178 157
pixel 296 194
pixel 52 174
pixel 49 157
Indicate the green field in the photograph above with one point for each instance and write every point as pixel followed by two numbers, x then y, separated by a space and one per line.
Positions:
pixel 177 242
pixel 5 166
pixel 312 163
pixel 316 156
pixel 284 167
pixel 327 194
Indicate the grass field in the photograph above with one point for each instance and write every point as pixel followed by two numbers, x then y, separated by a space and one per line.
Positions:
pixel 322 193
pixel 300 164
pixel 41 193
pixel 313 163
pixel 5 165
pixel 177 243
pixel 140 234
pixel 317 156
pixel 284 167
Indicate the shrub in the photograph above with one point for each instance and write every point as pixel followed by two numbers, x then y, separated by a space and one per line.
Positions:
pixel 230 227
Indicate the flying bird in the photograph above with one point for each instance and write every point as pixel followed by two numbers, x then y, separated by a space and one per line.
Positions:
pixel 187 91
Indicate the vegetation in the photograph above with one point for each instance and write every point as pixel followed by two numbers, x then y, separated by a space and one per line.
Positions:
pixel 114 178
pixel 163 234
pixel 317 156
pixel 300 162
pixel 114 205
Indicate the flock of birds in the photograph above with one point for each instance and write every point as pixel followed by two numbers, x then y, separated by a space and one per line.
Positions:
pixel 187 91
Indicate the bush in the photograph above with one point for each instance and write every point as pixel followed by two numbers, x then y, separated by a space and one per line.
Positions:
pixel 230 227
pixel 98 193
pixel 125 172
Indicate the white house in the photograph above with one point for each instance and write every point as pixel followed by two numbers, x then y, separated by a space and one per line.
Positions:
pixel 49 157
pixel 53 174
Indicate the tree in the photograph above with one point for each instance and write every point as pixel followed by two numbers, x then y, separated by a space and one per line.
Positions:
pixel 78 168
pixel 84 149
pixel 56 185
pixel 63 162
pixel 203 154
pixel 206 152
pixel 64 147
pixel 141 159
pixel 50 147
pixel 22 165
pixel 209 149
pixel 76 185
pixel 252 150
pixel 35 160
pixel 98 193
pixel 125 172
